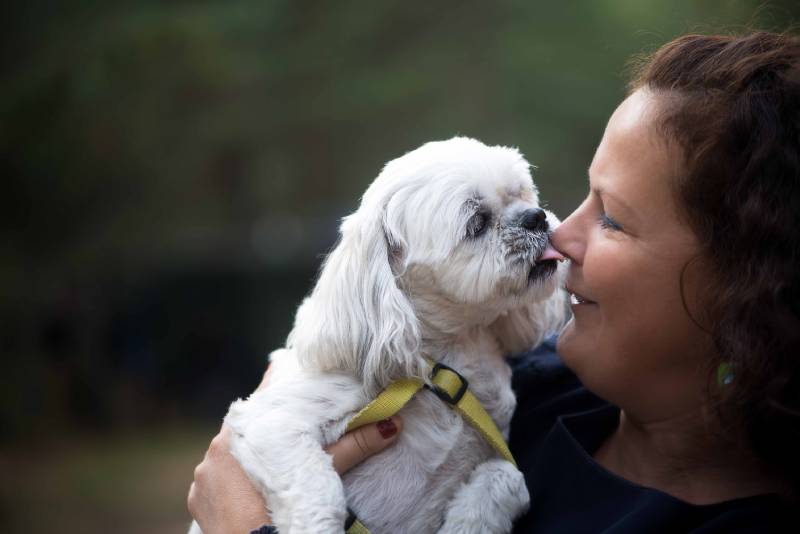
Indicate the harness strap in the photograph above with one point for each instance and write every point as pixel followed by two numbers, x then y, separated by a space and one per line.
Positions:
pixel 449 386
pixel 357 528
pixel 387 403
pixel 470 409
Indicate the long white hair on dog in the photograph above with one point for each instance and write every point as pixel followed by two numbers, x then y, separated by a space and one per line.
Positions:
pixel 527 326
pixel 357 319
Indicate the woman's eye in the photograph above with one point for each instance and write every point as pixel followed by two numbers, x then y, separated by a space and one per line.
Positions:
pixel 607 223
pixel 477 224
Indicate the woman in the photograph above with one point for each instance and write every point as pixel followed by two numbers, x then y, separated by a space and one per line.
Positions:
pixel 675 403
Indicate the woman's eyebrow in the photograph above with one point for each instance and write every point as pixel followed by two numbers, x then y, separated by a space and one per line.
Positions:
pixel 601 192
pixel 605 194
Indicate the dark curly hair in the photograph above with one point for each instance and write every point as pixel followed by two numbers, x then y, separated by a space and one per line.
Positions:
pixel 733 106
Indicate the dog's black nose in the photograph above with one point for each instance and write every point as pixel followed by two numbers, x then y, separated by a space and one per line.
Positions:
pixel 534 219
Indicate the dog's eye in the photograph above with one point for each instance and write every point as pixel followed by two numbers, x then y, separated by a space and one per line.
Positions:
pixel 477 224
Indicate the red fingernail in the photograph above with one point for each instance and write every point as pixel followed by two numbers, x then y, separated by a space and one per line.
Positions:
pixel 387 428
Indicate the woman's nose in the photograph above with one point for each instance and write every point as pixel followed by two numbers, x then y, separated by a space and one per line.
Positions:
pixel 570 238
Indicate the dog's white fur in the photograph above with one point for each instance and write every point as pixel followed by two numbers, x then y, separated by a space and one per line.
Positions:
pixel 407 281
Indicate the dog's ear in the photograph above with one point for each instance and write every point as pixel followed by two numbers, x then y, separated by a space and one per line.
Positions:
pixel 527 326
pixel 357 319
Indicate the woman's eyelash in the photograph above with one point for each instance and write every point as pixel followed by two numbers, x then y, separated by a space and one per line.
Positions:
pixel 607 222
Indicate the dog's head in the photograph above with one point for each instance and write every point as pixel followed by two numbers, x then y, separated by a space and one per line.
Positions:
pixel 468 237
pixel 448 236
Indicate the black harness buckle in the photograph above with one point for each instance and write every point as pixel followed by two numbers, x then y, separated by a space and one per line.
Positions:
pixel 442 393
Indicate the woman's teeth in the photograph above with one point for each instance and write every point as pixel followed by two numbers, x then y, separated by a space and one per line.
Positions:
pixel 577 299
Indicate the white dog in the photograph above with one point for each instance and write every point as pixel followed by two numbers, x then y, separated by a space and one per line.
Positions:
pixel 447 258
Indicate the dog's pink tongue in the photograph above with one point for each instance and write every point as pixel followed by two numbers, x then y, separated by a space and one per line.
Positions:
pixel 550 254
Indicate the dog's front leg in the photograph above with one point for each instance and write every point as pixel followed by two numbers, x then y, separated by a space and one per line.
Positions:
pixel 489 501
pixel 280 448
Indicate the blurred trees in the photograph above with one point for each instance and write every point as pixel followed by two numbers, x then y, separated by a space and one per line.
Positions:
pixel 173 171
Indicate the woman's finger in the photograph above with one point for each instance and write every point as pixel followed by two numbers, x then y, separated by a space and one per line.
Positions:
pixel 361 443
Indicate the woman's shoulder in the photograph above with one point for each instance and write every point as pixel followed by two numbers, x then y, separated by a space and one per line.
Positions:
pixel 557 426
pixel 546 390
pixel 542 360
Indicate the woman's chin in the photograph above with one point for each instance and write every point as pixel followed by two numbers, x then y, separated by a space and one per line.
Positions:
pixel 573 346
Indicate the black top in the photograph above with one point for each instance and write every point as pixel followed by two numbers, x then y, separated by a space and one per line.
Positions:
pixel 557 427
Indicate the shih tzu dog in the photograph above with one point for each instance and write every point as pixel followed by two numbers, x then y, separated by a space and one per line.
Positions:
pixel 446 259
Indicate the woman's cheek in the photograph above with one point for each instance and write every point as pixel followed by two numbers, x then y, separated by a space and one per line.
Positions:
pixel 603 265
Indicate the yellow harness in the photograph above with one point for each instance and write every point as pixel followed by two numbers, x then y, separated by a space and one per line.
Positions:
pixel 449 386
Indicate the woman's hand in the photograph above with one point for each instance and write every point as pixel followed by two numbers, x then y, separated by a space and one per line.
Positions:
pixel 222 498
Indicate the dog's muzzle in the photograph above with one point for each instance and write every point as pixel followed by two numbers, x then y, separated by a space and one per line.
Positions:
pixel 545 264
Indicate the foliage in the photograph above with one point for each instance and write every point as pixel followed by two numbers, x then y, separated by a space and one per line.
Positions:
pixel 173 170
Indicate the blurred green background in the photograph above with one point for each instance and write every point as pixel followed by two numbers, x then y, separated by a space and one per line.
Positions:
pixel 173 172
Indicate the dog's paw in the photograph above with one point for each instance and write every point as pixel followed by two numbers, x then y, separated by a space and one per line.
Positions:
pixel 505 485
pixel 489 502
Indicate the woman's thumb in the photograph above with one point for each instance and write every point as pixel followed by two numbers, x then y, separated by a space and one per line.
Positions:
pixel 361 443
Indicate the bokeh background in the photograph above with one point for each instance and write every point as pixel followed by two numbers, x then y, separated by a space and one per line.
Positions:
pixel 173 173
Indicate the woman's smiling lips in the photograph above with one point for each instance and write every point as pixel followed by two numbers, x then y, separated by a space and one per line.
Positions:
pixel 576 299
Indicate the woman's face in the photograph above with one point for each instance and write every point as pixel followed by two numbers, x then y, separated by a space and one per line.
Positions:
pixel 631 340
